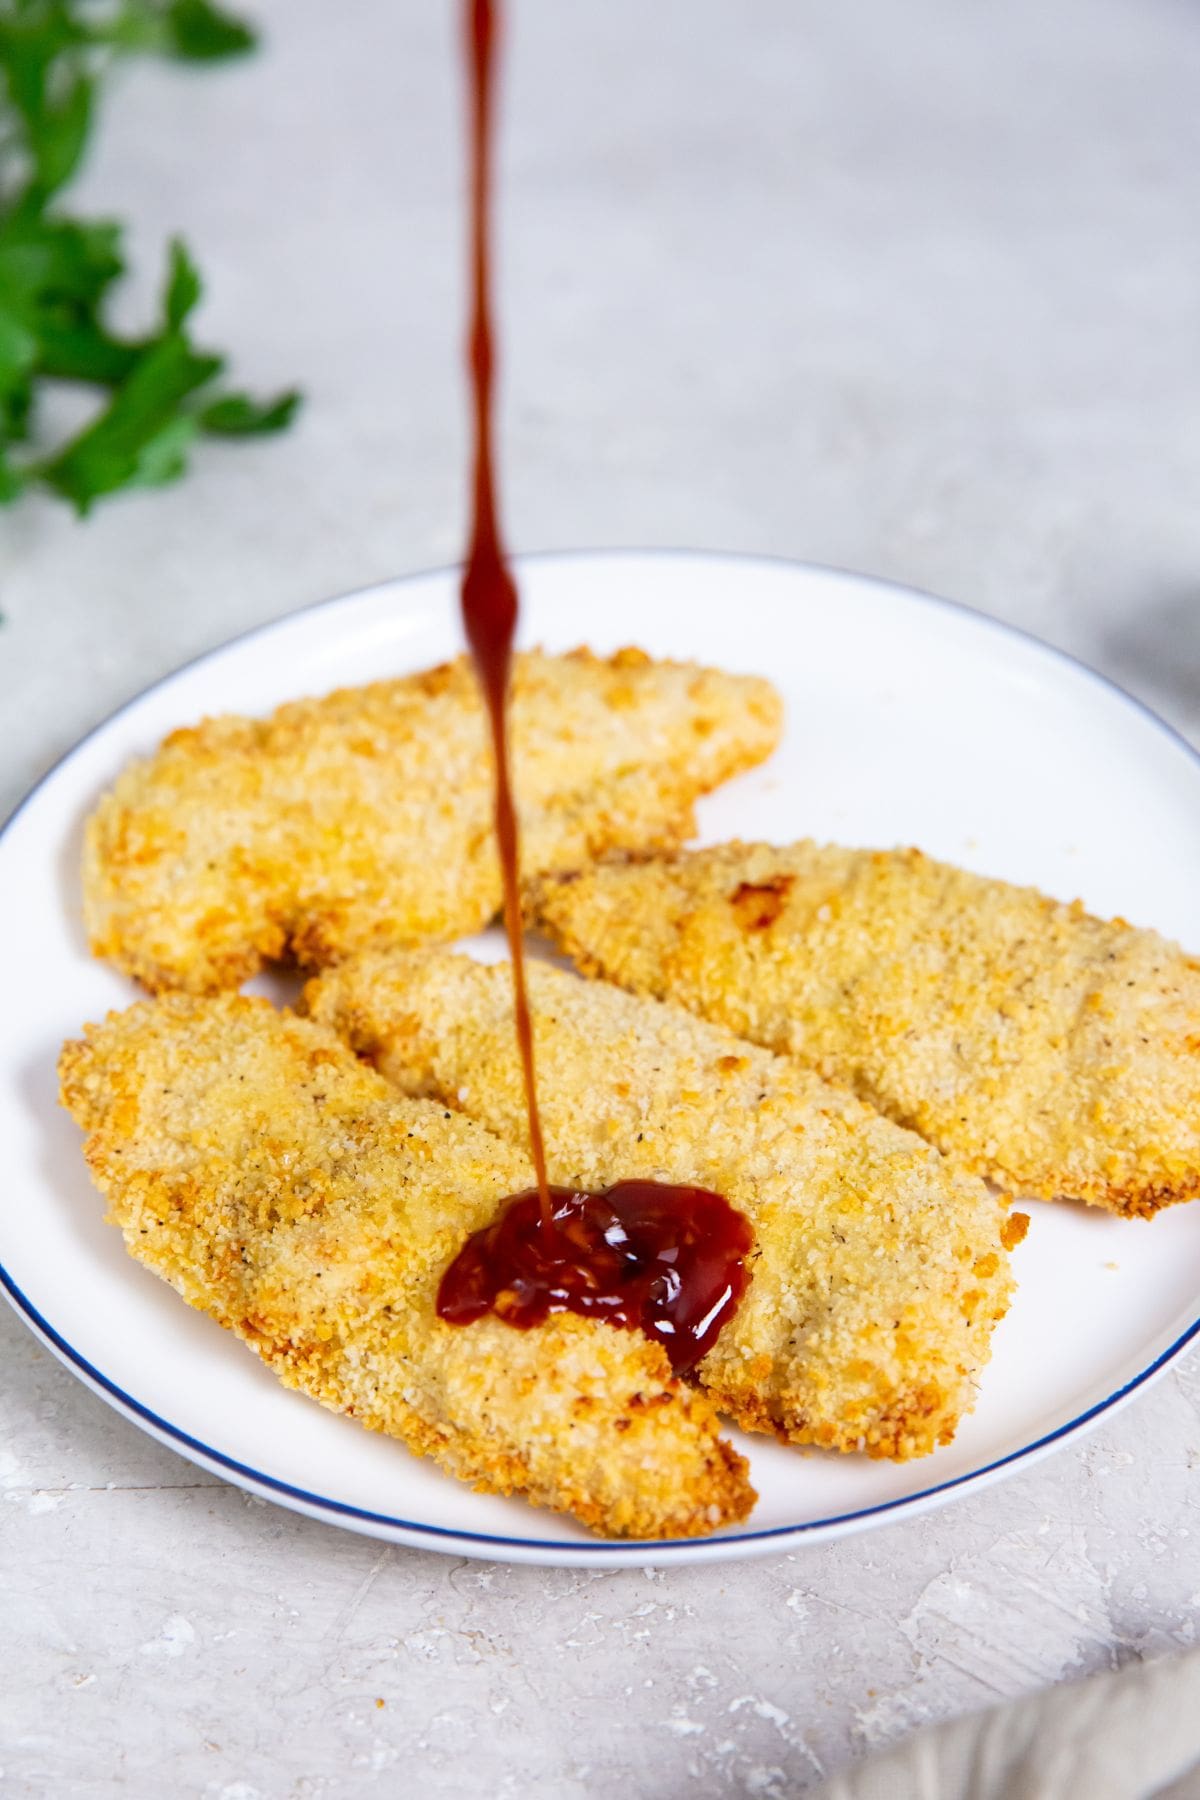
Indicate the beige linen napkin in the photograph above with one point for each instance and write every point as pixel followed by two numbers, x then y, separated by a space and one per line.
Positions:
pixel 1130 1734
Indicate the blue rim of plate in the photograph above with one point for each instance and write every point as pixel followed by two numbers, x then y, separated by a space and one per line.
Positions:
pixel 439 1536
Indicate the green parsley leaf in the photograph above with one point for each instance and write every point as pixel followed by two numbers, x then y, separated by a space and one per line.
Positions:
pixel 163 457
pixel 18 350
pixel 11 482
pixel 61 134
pixel 203 33
pixel 183 285
pixel 84 352
pixel 18 354
pixel 239 415
pixel 58 261
pixel 117 449
pixel 190 30
pixel 56 271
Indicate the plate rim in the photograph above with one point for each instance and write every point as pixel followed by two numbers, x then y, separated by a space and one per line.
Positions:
pixel 546 1551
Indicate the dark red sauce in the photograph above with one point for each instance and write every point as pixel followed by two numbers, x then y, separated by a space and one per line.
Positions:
pixel 667 1259
pixel 489 593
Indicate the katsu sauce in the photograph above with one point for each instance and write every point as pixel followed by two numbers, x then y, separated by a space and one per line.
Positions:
pixel 489 593
pixel 669 1260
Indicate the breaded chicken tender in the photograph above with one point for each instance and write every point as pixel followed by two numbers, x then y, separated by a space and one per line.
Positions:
pixel 877 1272
pixel 1055 1053
pixel 363 820
pixel 295 1197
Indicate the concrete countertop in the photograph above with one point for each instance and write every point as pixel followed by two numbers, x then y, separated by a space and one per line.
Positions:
pixel 907 289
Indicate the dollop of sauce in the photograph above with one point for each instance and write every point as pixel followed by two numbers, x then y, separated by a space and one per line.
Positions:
pixel 669 1260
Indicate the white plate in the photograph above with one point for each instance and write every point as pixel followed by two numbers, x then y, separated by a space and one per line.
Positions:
pixel 909 721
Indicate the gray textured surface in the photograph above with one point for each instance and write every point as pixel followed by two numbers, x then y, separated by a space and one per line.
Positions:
pixel 911 289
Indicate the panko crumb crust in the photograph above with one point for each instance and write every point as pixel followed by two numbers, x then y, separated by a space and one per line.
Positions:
pixel 878 1270
pixel 294 1196
pixel 363 819
pixel 1055 1053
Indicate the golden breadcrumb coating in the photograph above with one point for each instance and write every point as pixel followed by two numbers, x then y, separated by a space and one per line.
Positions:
pixel 1054 1053
pixel 878 1271
pixel 295 1197
pixel 363 820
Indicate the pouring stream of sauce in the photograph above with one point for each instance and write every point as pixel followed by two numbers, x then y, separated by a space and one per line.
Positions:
pixel 489 594
pixel 643 1253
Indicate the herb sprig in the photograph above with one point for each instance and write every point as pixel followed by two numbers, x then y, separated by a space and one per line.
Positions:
pixel 56 271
